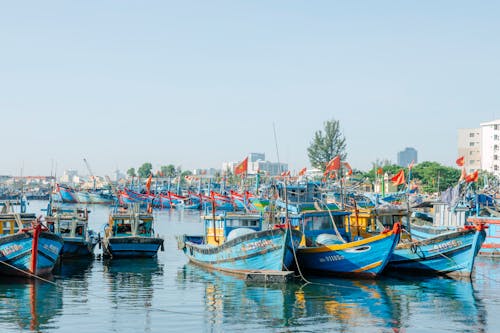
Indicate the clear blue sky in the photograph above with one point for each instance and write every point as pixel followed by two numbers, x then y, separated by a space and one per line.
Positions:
pixel 196 83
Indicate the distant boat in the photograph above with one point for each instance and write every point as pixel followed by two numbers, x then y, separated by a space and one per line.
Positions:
pixel 72 226
pixel 66 193
pixel 236 242
pixel 130 233
pixel 26 245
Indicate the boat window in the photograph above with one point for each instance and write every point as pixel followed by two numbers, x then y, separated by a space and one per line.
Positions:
pixel 144 228
pixel 242 223
pixel 6 228
pixel 65 227
pixel 123 228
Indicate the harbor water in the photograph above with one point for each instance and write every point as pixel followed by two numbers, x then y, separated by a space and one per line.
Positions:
pixel 167 294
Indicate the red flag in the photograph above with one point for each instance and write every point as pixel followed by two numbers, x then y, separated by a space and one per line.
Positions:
pixel 410 166
pixel 285 173
pixel 242 167
pixel 148 183
pixel 380 171
pixel 472 177
pixel 302 172
pixel 460 161
pixel 334 164
pixel 348 167
pixel 399 178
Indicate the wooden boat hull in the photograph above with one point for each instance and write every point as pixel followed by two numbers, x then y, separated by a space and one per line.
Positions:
pixel 452 253
pixel 67 195
pixel 16 251
pixel 131 247
pixel 263 250
pixel 491 245
pixel 366 257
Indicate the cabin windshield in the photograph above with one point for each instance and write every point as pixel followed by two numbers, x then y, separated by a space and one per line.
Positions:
pixel 323 222
pixel 144 227
pixel 242 223
pixel 123 226
pixel 65 227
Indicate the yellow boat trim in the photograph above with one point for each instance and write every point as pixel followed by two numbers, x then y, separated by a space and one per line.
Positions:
pixel 337 247
pixel 367 267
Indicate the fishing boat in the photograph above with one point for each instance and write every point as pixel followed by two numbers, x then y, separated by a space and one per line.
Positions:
pixel 443 251
pixel 452 253
pixel 130 233
pixel 72 226
pixel 27 247
pixel 237 242
pixel 66 193
pixel 331 249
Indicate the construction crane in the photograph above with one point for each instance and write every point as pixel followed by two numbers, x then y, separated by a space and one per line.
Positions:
pixel 90 172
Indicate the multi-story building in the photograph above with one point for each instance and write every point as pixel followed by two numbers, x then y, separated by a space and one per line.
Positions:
pixel 490 146
pixel 469 146
pixel 480 147
pixel 407 156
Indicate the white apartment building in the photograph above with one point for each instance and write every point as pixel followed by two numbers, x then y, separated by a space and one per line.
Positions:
pixel 481 147
pixel 490 146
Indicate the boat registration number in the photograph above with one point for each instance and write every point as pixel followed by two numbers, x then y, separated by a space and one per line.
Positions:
pixel 257 245
pixel 51 248
pixel 10 249
pixel 336 257
pixel 445 246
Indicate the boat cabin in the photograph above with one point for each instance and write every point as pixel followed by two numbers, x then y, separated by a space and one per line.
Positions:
pixel 68 222
pixel 12 223
pixel 223 226
pixel 122 224
pixel 316 224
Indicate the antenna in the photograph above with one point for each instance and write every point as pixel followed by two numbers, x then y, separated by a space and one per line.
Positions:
pixel 276 144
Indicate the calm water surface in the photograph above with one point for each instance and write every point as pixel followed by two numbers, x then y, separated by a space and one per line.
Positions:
pixel 167 294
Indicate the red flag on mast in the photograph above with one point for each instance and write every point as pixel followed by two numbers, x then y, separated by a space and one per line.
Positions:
pixel 460 161
pixel 242 167
pixel 334 164
pixel 148 183
pixel 399 178
pixel 473 177
pixel 302 172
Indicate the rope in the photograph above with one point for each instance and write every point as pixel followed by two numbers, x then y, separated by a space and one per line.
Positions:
pixel 28 273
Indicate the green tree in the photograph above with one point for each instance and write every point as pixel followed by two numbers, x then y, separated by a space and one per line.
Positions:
pixel 327 145
pixel 168 170
pixel 435 177
pixel 131 172
pixel 145 170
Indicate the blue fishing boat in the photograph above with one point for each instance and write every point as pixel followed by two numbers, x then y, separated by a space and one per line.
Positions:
pixel 452 253
pixel 236 242
pixel 72 226
pixel 26 246
pixel 66 193
pixel 130 233
pixel 330 249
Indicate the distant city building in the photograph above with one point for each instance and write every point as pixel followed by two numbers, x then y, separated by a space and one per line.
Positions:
pixel 469 146
pixel 70 176
pixel 257 162
pixel 407 156
pixel 205 172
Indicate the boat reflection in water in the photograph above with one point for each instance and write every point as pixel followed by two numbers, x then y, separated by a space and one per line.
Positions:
pixel 327 304
pixel 29 305
pixel 131 284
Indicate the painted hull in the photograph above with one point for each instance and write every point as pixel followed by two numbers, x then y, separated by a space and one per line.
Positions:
pixel 452 253
pixel 131 247
pixel 263 250
pixel 77 247
pixel 67 196
pixel 16 250
pixel 366 257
